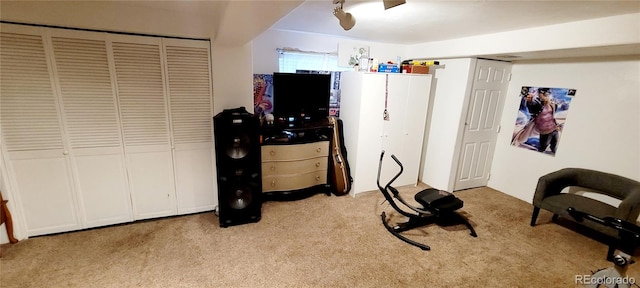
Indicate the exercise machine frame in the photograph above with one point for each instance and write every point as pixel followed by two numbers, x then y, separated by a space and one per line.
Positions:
pixel 419 216
pixel 626 245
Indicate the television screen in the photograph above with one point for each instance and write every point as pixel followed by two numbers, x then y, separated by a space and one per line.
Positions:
pixel 300 97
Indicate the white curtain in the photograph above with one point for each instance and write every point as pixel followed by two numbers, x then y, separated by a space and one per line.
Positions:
pixel 290 60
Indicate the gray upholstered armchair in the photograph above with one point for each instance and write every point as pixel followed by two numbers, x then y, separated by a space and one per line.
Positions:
pixel 548 196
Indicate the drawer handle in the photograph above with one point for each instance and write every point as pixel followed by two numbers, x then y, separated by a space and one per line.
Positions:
pixel 317 164
pixel 273 168
pixel 318 150
pixel 273 183
pixel 317 178
pixel 272 153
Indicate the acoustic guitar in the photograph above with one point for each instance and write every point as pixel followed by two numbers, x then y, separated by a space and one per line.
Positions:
pixel 340 178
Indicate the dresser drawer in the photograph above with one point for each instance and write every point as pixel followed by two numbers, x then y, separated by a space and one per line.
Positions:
pixel 273 168
pixel 293 182
pixel 295 152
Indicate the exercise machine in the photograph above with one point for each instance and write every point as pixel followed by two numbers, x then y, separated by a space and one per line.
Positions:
pixel 438 207
pixel 626 244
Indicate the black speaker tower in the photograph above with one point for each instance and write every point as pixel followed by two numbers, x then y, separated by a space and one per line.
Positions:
pixel 237 145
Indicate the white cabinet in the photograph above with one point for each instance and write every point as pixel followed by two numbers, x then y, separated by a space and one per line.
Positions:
pixel 363 100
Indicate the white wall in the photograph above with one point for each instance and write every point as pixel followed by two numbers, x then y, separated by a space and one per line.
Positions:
pixel 265 57
pixel 232 77
pixel 616 30
pixel 444 128
pixel 602 130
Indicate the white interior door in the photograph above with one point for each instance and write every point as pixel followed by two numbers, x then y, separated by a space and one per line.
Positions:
pixel 86 89
pixel 481 123
pixel 191 118
pixel 33 137
pixel 145 125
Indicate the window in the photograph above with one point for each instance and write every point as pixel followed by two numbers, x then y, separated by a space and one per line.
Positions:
pixel 290 60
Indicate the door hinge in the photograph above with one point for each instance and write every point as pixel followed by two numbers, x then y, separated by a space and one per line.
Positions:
pixel 499 127
pixel 489 176
pixel 509 78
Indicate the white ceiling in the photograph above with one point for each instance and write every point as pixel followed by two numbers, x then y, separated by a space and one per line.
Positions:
pixel 419 21
pixel 422 21
pixel 226 22
pixel 237 22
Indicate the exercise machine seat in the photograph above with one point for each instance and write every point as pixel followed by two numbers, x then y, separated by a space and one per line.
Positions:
pixel 438 201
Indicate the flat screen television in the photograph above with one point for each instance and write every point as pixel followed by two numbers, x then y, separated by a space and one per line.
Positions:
pixel 301 97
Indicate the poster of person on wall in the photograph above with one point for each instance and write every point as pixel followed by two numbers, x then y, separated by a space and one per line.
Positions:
pixel 541 117
pixel 262 94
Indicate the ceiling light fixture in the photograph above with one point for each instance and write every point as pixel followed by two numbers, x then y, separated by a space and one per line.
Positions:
pixel 392 3
pixel 347 21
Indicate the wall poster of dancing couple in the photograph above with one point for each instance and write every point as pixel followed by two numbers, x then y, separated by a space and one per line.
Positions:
pixel 541 117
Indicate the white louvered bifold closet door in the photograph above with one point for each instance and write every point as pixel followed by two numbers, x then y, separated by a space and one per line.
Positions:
pixel 93 128
pixel 32 135
pixel 189 86
pixel 144 116
pixel 100 129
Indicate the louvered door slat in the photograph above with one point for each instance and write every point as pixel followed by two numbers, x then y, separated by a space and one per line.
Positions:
pixel 141 93
pixel 88 99
pixel 27 104
pixel 190 94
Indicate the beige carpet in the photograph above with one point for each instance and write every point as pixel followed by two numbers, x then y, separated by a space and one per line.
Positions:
pixel 316 242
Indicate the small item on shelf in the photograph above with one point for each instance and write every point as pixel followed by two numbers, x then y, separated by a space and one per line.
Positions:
pixel 420 62
pixel 374 65
pixel 418 66
pixel 270 119
pixel 388 68
pixel 428 62
pixel 364 64
pixel 419 69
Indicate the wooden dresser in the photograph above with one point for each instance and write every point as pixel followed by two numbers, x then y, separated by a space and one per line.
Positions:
pixel 293 167
pixel 295 160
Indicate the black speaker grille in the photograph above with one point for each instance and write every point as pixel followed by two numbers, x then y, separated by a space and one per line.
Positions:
pixel 241 198
pixel 238 147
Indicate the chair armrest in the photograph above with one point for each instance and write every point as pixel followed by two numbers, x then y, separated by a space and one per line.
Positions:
pixel 629 208
pixel 553 183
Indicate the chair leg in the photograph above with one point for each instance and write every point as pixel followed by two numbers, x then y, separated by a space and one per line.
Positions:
pixel 610 252
pixel 534 216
